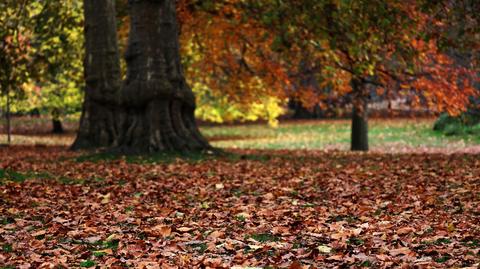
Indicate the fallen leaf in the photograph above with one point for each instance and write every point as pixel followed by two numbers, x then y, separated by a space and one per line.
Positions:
pixel 216 234
pixel 400 251
pixel 324 249
pixel 184 229
pixel 39 233
pixel 405 230
pixel 160 231
pixel 335 258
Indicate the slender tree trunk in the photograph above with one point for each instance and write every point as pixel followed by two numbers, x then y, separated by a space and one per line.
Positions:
pixel 154 109
pixel 8 119
pixel 359 139
pixel 56 122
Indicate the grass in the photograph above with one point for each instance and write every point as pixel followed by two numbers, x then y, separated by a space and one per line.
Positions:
pixel 265 237
pixel 325 134
pixel 334 134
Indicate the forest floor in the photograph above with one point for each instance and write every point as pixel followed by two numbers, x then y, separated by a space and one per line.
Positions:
pixel 251 208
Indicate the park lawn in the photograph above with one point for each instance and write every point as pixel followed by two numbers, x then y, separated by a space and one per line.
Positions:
pixel 399 135
pixel 251 208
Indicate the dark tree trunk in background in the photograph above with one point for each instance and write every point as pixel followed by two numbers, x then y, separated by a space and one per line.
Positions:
pixel 359 140
pixel 57 126
pixel 8 118
pixel 154 109
pixel 98 128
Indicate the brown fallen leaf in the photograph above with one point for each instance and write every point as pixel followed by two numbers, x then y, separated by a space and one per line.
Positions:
pixel 295 265
pixel 184 229
pixel 160 231
pixel 39 233
pixel 405 230
pixel 216 234
pixel 335 258
pixel 382 257
pixel 281 230
pixel 401 251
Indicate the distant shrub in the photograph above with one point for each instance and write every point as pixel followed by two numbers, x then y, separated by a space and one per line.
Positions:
pixel 467 123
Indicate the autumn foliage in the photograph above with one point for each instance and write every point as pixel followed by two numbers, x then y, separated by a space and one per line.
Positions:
pixel 246 49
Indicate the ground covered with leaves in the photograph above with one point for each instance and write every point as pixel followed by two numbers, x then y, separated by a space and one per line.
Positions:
pixel 266 209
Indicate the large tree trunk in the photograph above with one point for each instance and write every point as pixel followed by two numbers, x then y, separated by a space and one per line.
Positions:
pixel 98 127
pixel 359 139
pixel 160 114
pixel 154 110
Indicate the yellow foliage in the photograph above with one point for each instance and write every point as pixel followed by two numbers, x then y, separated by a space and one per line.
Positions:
pixel 220 109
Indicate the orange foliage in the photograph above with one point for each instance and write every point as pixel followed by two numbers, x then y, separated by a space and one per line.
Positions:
pixel 231 54
pixel 446 84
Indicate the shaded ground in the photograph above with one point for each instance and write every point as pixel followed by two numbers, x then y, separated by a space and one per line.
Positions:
pixel 283 209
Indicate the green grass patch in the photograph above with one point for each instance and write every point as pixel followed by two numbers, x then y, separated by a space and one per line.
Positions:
pixel 334 133
pixel 87 263
pixel 10 175
pixel 200 247
pixel 19 177
pixel 108 244
pixel 471 243
pixel 355 241
pixel 443 258
pixel 264 237
pixel 7 220
pixel 7 248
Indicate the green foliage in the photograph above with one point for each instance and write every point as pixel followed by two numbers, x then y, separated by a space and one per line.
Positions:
pixel 46 53
pixel 14 45
pixel 59 50
pixel 466 124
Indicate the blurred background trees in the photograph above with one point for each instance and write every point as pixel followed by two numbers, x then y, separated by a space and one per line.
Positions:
pixel 262 60
pixel 42 57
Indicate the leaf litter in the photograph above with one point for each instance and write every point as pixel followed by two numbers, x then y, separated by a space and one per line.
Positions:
pixel 277 209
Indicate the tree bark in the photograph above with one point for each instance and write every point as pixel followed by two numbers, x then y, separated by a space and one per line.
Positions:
pixel 102 77
pixel 359 139
pixel 154 109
